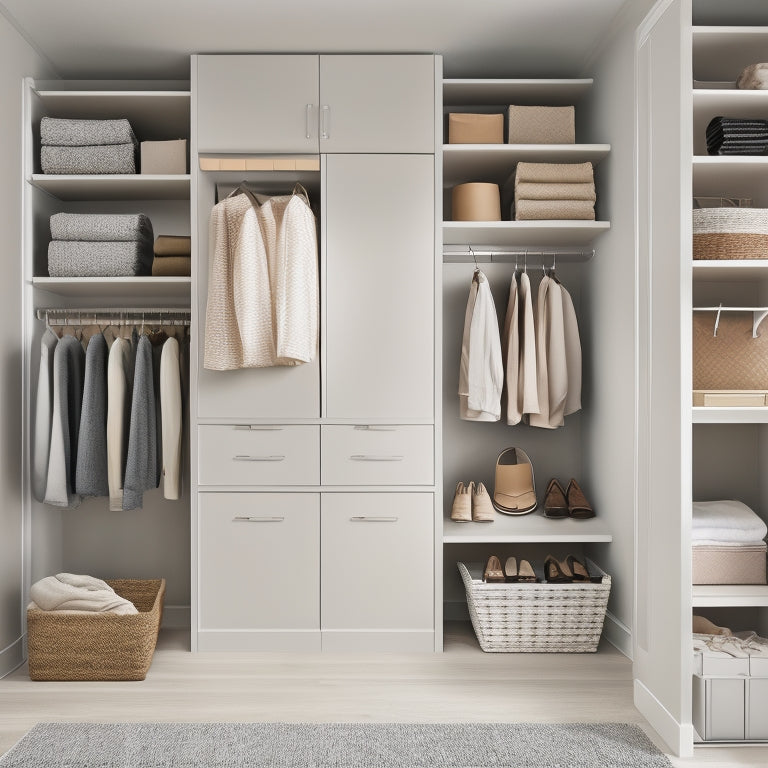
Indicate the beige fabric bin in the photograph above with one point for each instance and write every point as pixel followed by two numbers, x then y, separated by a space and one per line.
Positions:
pixel 469 128
pixel 476 201
pixel 541 125
pixel 164 157
pixel 729 565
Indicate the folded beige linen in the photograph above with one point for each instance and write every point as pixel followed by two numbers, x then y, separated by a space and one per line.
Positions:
pixel 555 172
pixel 531 190
pixel 554 209
pixel 173 245
pixel 73 592
pixel 172 266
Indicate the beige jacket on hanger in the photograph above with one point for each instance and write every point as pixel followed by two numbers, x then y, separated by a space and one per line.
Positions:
pixel 572 354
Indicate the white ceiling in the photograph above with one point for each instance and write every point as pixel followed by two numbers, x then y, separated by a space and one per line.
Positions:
pixel 153 38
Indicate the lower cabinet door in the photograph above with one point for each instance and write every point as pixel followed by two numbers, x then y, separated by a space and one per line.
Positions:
pixel 377 571
pixel 259 571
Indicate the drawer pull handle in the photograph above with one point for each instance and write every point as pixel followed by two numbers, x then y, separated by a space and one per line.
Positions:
pixel 369 457
pixel 375 428
pixel 258 458
pixel 309 121
pixel 325 122
pixel 373 519
pixel 257 519
pixel 258 427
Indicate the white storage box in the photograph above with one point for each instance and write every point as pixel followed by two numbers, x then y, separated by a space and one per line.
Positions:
pixel 758 667
pixel 718 664
pixel 730 708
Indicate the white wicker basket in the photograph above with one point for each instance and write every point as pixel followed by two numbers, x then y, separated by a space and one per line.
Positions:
pixel 748 221
pixel 537 618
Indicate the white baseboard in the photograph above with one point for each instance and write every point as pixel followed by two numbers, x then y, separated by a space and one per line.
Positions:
pixel 12 657
pixel 677 736
pixel 618 634
pixel 176 617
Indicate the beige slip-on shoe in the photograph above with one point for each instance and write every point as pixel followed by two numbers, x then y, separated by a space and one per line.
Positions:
pixel 461 511
pixel 482 508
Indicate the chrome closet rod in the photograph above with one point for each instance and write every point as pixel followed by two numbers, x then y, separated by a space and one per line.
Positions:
pixel 69 316
pixel 503 256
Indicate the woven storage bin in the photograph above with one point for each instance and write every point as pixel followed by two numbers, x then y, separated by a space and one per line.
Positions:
pixel 537 618
pixel 730 233
pixel 99 646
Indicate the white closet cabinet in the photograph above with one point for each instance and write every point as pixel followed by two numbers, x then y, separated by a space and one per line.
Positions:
pixel 259 571
pixel 377 571
pixel 380 283
pixel 257 103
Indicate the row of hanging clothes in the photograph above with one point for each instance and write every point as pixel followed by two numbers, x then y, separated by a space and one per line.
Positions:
pixel 532 365
pixel 263 288
pixel 109 411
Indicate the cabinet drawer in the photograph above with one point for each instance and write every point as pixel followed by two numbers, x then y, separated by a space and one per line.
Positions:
pixel 377 561
pixel 259 455
pixel 377 455
pixel 259 561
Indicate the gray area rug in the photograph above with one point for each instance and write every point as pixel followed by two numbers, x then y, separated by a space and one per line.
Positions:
pixel 353 745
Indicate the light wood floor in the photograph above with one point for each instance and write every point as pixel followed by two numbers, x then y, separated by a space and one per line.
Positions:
pixel 461 685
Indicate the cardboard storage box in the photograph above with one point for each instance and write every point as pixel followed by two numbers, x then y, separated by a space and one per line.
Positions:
pixel 476 201
pixel 466 128
pixel 164 157
pixel 743 564
pixel 541 125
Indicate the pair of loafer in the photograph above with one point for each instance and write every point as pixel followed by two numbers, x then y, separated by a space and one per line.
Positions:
pixel 568 571
pixel 569 502
pixel 471 504
pixel 514 571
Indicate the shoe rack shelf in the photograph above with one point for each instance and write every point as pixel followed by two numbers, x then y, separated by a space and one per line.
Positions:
pixel 526 529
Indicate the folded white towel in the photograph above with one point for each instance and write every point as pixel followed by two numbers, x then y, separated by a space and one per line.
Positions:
pixel 728 520
pixel 72 592
pixel 754 77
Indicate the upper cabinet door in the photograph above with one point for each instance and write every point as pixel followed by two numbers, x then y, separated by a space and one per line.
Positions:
pixel 377 103
pixel 380 285
pixel 264 103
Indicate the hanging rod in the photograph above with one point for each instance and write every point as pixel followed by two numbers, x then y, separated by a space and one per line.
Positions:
pixel 502 256
pixel 116 316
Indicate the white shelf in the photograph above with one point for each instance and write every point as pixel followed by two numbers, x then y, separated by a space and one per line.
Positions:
pixel 153 115
pixel 496 162
pixel 116 288
pixel 526 529
pixel 523 233
pixel 732 177
pixel 742 415
pixel 127 186
pixel 735 270
pixel 551 92
pixel 721 53
pixel 728 596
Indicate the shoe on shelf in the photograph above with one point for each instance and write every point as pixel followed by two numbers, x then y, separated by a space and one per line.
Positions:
pixel 482 508
pixel 555 503
pixel 461 511
pixel 578 568
pixel 520 572
pixel 557 571
pixel 514 491
pixel 578 506
pixel 493 571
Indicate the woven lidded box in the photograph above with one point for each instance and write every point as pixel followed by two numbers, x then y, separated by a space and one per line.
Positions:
pixel 541 125
pixel 537 618
pixel 63 645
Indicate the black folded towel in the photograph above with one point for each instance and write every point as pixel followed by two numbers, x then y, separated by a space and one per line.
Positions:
pixel 737 136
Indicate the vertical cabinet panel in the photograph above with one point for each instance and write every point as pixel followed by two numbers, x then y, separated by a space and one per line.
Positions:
pixel 257 103
pixel 259 561
pixel 377 103
pixel 379 307
pixel 377 564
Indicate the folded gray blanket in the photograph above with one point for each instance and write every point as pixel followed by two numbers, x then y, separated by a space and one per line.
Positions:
pixel 64 132
pixel 111 158
pixel 74 258
pixel 102 227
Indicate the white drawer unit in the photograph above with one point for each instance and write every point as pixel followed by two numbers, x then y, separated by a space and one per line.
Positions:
pixel 259 571
pixel 374 454
pixel 377 571
pixel 258 454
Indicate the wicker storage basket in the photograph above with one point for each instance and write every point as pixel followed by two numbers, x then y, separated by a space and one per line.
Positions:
pixel 101 646
pixel 537 618
pixel 730 233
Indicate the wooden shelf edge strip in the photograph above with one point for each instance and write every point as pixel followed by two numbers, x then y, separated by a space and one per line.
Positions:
pixel 260 163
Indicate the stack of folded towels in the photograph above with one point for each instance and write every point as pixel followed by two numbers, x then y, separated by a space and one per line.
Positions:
pixel 87 146
pixel 100 245
pixel 173 256
pixel 737 136
pixel 81 594
pixel 554 191
pixel 728 543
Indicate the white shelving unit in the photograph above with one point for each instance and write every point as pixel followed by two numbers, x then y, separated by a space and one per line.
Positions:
pixel 117 289
pixel 529 529
pixel 114 186
pixel 730 596
pixel 522 233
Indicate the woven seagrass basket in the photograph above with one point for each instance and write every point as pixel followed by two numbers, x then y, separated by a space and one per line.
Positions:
pixel 537 618
pixel 99 646
pixel 730 233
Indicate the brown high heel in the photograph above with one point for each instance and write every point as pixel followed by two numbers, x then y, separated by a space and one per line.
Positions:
pixel 555 503
pixel 557 571
pixel 578 506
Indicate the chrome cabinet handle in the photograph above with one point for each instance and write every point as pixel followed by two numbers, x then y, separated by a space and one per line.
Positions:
pixel 373 519
pixel 374 428
pixel 309 121
pixel 258 458
pixel 370 457
pixel 325 122
pixel 259 427
pixel 257 519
